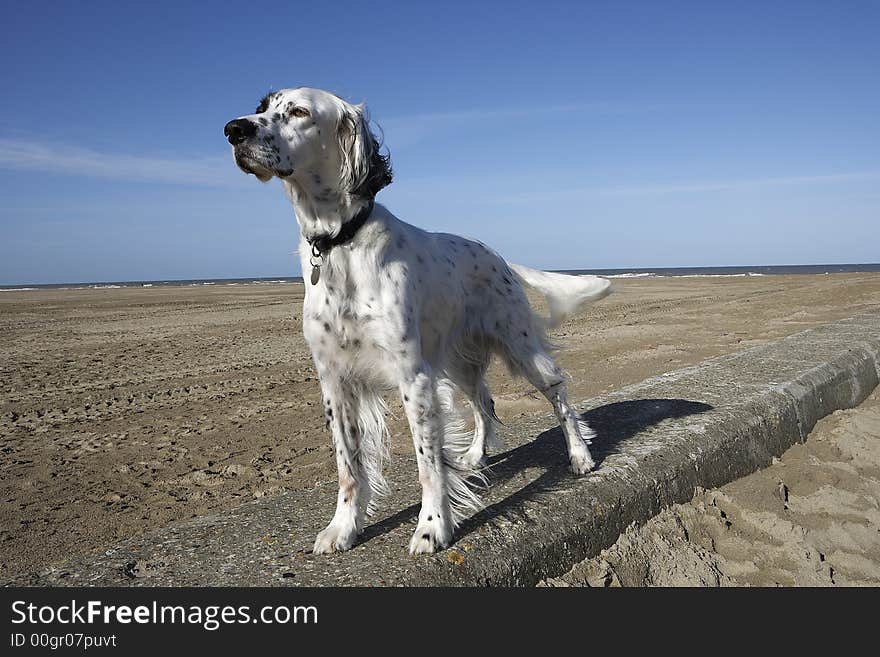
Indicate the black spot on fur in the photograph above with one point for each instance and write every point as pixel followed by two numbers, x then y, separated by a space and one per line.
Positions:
pixel 264 103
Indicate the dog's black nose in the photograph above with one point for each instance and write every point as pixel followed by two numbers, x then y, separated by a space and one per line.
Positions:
pixel 238 130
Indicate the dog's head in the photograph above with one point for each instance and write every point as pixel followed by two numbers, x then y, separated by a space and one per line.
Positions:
pixel 300 132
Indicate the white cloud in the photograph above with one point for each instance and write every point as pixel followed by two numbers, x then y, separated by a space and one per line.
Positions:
pixel 523 110
pixel 404 131
pixel 694 187
pixel 23 155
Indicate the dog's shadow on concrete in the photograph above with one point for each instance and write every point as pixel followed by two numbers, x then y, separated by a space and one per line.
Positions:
pixel 613 424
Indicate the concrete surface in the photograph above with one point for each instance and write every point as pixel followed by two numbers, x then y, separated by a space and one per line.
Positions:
pixel 812 518
pixel 657 441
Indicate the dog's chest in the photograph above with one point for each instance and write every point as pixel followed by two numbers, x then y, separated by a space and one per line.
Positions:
pixel 343 331
pixel 339 318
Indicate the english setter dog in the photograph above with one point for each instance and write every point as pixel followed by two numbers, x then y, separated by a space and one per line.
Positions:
pixel 388 305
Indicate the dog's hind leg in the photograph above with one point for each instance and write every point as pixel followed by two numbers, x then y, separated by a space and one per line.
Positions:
pixel 530 358
pixel 468 376
pixel 480 400
pixel 577 432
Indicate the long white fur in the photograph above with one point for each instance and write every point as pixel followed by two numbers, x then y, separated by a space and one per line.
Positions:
pixel 400 308
pixel 564 294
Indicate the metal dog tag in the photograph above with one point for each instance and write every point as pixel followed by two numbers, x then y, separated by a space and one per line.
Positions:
pixel 316 274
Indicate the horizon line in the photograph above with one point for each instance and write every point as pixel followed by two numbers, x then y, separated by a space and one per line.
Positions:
pixel 647 269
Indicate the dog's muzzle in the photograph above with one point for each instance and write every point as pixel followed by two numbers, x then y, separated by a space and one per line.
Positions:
pixel 238 133
pixel 239 130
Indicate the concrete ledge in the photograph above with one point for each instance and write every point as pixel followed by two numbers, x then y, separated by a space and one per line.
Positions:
pixel 657 440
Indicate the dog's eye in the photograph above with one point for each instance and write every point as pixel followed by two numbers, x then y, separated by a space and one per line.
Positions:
pixel 300 112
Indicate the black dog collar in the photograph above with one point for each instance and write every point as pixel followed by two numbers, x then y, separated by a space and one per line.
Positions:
pixel 321 245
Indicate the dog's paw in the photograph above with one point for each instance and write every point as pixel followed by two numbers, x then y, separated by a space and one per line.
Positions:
pixel 430 537
pixel 335 538
pixel 581 462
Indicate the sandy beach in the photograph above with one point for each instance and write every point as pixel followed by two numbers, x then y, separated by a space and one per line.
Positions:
pixel 122 410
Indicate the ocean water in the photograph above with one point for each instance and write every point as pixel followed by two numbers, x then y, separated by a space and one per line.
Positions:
pixel 654 272
pixel 716 272
pixel 113 285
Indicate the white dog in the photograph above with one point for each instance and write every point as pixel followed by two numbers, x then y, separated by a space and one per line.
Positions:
pixel 388 305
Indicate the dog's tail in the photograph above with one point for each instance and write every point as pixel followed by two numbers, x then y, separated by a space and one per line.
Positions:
pixel 564 293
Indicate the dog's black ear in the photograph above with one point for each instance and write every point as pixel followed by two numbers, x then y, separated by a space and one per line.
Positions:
pixel 363 169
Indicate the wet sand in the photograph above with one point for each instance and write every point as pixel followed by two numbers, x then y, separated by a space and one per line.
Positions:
pixel 125 409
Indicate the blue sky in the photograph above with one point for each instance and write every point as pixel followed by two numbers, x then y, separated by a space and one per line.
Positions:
pixel 565 135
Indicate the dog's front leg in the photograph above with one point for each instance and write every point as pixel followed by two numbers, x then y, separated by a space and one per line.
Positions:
pixel 435 527
pixel 340 410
